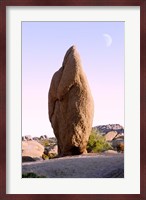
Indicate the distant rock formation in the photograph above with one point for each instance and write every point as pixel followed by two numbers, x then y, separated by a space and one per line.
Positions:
pixel 70 106
pixel 30 138
pixel 27 138
pixel 36 138
pixel 104 129
pixel 43 137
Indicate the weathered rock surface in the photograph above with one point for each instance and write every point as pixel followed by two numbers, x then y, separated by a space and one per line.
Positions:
pixel 71 106
pixel 110 135
pixel 108 165
pixel 32 149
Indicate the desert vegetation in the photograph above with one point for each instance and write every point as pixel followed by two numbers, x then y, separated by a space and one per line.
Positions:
pixel 31 175
pixel 48 155
pixel 97 143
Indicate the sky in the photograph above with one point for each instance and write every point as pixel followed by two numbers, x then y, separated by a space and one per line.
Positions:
pixel 101 48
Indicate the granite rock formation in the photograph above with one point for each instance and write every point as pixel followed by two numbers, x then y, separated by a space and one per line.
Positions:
pixel 110 135
pixel 32 149
pixel 104 129
pixel 70 106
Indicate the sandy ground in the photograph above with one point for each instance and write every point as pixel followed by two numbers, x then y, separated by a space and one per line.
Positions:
pixel 83 166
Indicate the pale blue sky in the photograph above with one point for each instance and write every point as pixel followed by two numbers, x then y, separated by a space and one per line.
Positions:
pixel 101 47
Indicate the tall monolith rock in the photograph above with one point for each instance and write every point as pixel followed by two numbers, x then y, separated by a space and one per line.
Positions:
pixel 71 106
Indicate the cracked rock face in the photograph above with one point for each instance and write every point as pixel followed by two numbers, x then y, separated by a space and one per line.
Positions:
pixel 70 106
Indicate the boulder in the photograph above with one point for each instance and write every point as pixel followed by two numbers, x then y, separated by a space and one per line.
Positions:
pixel 51 150
pixel 117 142
pixel 32 149
pixel 119 136
pixel 70 106
pixel 110 135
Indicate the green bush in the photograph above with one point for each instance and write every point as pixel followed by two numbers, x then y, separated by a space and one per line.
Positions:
pixel 44 142
pixel 52 155
pixel 32 175
pixel 45 157
pixel 97 143
pixel 49 156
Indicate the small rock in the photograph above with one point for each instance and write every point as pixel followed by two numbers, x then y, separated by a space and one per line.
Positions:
pixel 111 151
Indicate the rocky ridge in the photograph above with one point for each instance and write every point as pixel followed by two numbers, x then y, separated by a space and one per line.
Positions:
pixel 104 129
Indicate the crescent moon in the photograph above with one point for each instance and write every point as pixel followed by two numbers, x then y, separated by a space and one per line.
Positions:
pixel 108 39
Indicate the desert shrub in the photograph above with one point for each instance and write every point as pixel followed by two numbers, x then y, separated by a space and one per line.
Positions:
pixel 44 142
pixel 120 147
pixel 49 156
pixel 45 157
pixel 97 143
pixel 52 155
pixel 32 175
